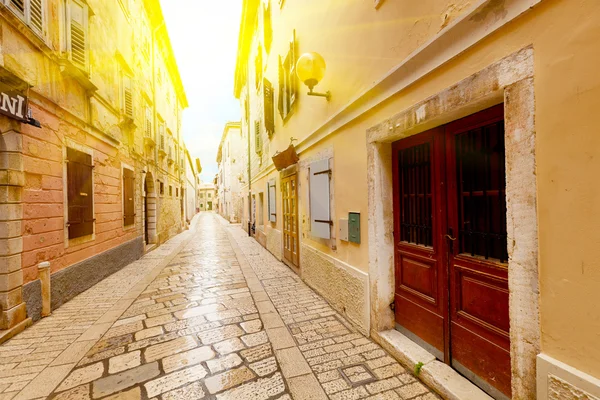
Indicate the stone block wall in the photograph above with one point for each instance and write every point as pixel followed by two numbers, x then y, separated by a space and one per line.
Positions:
pixel 12 308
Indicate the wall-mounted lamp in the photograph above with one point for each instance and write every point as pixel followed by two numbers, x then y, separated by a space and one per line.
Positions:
pixel 310 68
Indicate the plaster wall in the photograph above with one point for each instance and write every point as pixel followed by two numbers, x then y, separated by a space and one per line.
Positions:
pixel 566 87
pixel 83 109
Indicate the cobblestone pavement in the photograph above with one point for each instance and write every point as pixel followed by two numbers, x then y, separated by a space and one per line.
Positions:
pixel 209 315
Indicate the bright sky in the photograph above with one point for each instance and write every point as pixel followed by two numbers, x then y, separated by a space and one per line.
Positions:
pixel 204 37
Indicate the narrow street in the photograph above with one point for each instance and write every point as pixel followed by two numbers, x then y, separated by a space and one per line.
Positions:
pixel 210 314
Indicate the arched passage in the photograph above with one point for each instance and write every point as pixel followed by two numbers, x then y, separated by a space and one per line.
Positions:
pixel 150 211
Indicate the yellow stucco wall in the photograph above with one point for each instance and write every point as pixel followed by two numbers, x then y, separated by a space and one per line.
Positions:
pixel 360 44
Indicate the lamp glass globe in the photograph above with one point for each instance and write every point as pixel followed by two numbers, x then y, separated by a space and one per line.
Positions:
pixel 310 68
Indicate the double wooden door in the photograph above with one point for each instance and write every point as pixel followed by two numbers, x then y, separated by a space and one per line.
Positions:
pixel 289 191
pixel 451 291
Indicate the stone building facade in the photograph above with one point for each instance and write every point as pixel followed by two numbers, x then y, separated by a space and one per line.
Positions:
pixel 207 197
pixel 191 187
pixel 490 290
pixel 83 190
pixel 231 158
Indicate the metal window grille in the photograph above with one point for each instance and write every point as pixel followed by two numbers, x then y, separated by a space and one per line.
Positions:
pixel 481 185
pixel 416 195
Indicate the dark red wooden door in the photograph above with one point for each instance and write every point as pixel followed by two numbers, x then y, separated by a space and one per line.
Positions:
pixel 480 343
pixel 452 284
pixel 421 280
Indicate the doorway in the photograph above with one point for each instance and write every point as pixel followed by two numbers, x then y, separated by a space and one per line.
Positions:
pixel 450 234
pixel 289 193
pixel 150 214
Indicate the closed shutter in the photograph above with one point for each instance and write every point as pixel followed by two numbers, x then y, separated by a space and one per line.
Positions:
pixel 320 216
pixel 128 197
pixel 257 137
pixel 268 27
pixel 281 90
pixel 127 97
pixel 36 15
pixel 148 122
pixel 77 33
pixel 292 80
pixel 269 107
pixel 272 201
pixel 19 5
pixel 80 196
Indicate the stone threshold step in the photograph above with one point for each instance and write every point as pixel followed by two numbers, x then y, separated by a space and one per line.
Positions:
pixel 440 377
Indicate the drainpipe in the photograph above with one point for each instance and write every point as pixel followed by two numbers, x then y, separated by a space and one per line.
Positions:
pixel 44 274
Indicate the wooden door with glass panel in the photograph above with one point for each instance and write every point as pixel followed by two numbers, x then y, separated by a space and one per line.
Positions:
pixel 477 252
pixel 289 190
pixel 451 257
pixel 421 289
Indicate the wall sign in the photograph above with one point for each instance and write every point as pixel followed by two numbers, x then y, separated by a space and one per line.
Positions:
pixel 12 103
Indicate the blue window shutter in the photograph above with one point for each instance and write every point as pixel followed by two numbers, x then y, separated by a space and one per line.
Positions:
pixel 320 215
pixel 272 201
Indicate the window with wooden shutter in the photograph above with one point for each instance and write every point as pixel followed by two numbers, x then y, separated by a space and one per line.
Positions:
pixel 267 26
pixel 128 197
pixel 257 137
pixel 269 107
pixel 148 122
pixel 281 90
pixel 36 15
pixel 320 213
pixel 272 193
pixel 258 68
pixel 80 196
pixel 31 12
pixel 127 96
pixel 77 33
pixel 287 80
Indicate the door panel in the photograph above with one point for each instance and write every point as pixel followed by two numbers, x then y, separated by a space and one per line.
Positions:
pixel 420 302
pixel 478 257
pixel 290 219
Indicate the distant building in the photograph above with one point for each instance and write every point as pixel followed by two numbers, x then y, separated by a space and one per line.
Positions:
pixel 191 186
pixel 231 158
pixel 206 197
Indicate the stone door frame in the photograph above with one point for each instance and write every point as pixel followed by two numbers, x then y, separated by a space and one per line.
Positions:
pixel 508 81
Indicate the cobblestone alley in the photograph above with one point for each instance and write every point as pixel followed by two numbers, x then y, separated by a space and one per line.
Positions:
pixel 210 314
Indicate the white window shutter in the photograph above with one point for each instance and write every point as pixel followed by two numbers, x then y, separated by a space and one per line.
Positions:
pixel 127 96
pixel 272 201
pixel 36 15
pixel 320 216
pixel 77 33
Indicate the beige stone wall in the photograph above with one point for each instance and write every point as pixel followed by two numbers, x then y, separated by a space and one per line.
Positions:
pixel 82 107
pixel 382 61
pixel 343 286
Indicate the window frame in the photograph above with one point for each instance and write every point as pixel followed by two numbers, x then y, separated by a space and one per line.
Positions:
pixel 25 16
pixel 288 82
pixel 132 169
pixel 86 32
pixel 125 77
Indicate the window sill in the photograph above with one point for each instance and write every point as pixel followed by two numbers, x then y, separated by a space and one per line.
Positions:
pixel 68 69
pixel 81 240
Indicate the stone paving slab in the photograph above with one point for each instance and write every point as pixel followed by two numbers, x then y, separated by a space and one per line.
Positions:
pixel 213 316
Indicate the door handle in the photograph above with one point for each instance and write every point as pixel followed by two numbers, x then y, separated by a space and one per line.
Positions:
pixel 450 237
